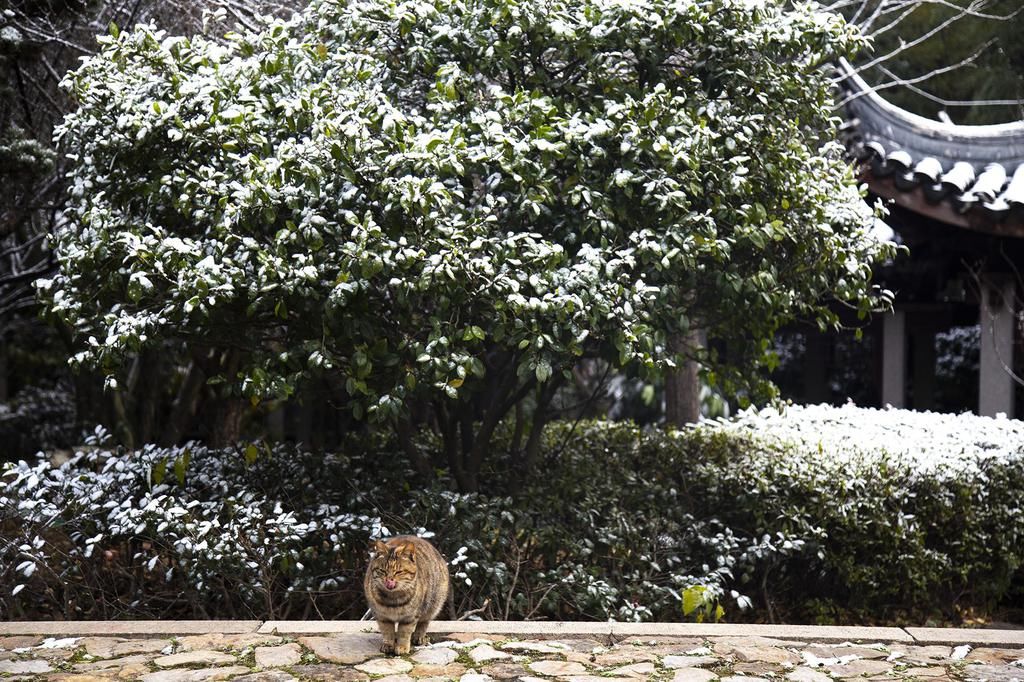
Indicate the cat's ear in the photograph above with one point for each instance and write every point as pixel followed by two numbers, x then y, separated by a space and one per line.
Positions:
pixel 408 550
pixel 379 548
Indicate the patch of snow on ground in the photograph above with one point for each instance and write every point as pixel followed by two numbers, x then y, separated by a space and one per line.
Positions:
pixel 54 643
pixel 960 653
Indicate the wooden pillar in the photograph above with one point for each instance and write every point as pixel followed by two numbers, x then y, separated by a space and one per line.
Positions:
pixel 923 377
pixel 995 383
pixel 815 365
pixel 894 358
pixel 682 384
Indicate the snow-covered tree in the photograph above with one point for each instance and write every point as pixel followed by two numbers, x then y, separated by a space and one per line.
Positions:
pixel 446 203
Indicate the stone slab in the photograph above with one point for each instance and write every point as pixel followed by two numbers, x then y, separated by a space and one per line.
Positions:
pixel 347 649
pixel 278 656
pixel 693 675
pixel 32 667
pixel 808 633
pixel 194 658
pixel 195 675
pixel 115 647
pixel 955 636
pixel 132 628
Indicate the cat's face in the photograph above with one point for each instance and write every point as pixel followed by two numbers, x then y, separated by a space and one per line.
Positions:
pixel 394 567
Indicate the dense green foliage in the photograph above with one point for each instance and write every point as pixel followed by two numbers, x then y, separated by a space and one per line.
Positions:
pixel 444 205
pixel 619 523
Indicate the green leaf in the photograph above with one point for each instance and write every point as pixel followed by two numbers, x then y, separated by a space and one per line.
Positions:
pixel 693 598
pixel 181 466
pixel 251 453
pixel 159 470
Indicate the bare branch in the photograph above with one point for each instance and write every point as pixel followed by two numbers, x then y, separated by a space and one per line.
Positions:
pixel 970 11
pixel 473 612
pixel 909 84
pixel 904 46
pixel 894 23
pixel 897 81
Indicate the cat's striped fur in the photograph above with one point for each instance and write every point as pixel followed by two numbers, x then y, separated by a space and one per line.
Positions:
pixel 406 585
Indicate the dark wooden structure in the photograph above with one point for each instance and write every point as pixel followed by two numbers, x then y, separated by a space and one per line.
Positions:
pixel 955 196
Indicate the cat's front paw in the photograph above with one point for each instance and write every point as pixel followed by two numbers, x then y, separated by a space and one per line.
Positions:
pixel 387 648
pixel 421 640
pixel 402 649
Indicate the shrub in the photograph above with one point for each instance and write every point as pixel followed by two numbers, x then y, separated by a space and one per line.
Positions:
pixel 38 417
pixel 779 513
pixel 444 205
pixel 918 512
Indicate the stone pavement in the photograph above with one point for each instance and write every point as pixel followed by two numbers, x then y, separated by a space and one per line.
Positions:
pixel 183 651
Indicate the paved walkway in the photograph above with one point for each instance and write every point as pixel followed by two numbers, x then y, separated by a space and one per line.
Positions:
pixel 186 651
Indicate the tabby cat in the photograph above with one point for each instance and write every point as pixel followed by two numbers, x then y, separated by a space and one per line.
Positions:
pixel 406 585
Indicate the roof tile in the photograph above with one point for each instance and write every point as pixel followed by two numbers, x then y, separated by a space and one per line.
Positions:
pixel 973 168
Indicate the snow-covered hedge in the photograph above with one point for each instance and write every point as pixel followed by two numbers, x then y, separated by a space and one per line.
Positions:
pixel 816 514
pixel 38 417
pixel 918 513
pixel 927 441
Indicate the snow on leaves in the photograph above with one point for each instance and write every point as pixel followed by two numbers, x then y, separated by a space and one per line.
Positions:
pixel 372 183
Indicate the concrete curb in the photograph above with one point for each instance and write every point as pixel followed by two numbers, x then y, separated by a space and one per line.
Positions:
pixel 808 633
pixel 128 628
pixel 616 631
pixel 523 629
pixel 445 627
pixel 957 636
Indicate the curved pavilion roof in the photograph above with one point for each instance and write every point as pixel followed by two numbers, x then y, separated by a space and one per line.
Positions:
pixel 970 176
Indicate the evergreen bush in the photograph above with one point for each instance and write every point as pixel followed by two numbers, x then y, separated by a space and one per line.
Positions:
pixel 778 517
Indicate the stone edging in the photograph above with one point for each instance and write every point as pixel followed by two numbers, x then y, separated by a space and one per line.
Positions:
pixel 817 633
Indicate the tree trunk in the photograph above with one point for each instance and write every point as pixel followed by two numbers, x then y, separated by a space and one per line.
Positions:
pixel 147 395
pixel 185 405
pixel 682 384
pixel 275 423
pixel 122 424
pixel 303 419
pixel 417 457
pixel 449 428
pixel 229 410
pixel 227 422
pixel 3 372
